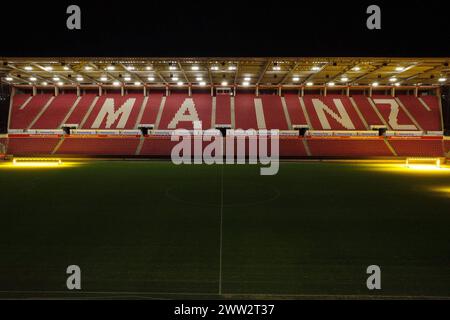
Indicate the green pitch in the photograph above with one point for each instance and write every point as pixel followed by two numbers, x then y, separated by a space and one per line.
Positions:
pixel 156 230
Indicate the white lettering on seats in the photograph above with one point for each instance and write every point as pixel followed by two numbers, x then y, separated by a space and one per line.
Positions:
pixel 393 115
pixel 181 115
pixel 343 118
pixel 112 115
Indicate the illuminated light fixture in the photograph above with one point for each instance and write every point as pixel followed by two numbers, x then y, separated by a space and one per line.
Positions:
pixel 48 68
pixel 148 68
pixel 127 78
pixel 33 79
pixel 28 68
pixel 247 79
pixel 56 79
pixel 397 84
pixel 315 68
pixel 151 78
pixel 131 68
pixel 174 79
pixel 199 79
pixel 331 84
pixel 103 79
pixel 224 83
pixel 442 79
pixel 36 162
pixel 356 68
pixel 309 84
pixel 44 83
pixel 214 68
pixel 276 68
pixel 116 83
pixel 344 79
pixel 195 68
pixel 60 83
pixel 375 84
pixel 295 79
pixel 423 163
pixel 232 68
pixel 172 68
pixel 399 69
pixel 66 68
pixel 9 79
pixel 180 83
pixel 393 79
pixel 203 83
pixel 87 68
pixel 245 83
pixel 137 83
pixel 110 68
pixel 80 78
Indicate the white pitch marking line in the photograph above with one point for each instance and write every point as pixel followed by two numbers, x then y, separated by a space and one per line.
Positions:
pixel 261 295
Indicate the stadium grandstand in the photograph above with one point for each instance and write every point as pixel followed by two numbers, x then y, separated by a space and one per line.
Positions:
pixel 323 107
pixel 363 180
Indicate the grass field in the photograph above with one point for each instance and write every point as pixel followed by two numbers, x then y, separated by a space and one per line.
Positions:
pixel 156 230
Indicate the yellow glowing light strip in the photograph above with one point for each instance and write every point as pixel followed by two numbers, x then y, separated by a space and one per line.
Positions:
pixel 423 162
pixel 36 162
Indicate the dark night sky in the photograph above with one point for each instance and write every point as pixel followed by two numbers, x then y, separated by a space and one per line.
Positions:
pixel 225 28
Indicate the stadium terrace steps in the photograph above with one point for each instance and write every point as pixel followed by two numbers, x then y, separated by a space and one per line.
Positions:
pixel 56 112
pixel 273 112
pixel 157 147
pixel 141 112
pixel 151 109
pixel 28 146
pixel 114 111
pixel 333 112
pixel 245 111
pixel 180 111
pixel 78 113
pixel 293 147
pixel 329 147
pixel 99 146
pixel 161 146
pixel 368 111
pixel 418 147
pixel 223 110
pixel 393 114
pixel 294 109
pixel 286 113
pixel 425 111
pixel 22 115
pixel 355 106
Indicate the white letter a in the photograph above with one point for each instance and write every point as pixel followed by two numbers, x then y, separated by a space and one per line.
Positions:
pixel 374 21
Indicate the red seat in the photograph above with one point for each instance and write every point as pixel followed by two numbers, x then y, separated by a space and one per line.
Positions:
pixel 98 146
pixel 349 148
pixel 56 111
pixel 22 115
pixel 418 147
pixel 427 114
pixel 32 146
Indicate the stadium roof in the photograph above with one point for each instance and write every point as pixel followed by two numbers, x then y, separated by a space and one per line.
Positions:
pixel 275 71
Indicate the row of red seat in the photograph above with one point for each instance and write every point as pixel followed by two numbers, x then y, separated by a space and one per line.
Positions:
pixel 333 112
pixel 289 147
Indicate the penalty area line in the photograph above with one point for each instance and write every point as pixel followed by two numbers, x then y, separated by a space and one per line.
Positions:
pixel 229 295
